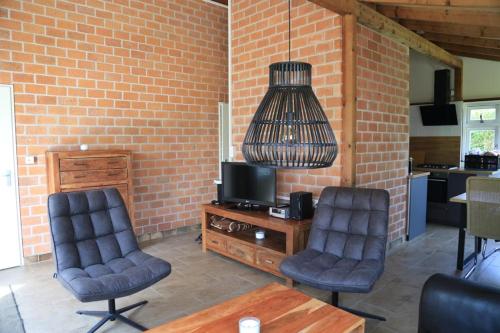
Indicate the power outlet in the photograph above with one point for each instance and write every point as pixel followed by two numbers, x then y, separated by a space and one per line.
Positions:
pixel 30 159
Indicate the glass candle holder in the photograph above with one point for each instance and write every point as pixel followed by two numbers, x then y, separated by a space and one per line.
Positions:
pixel 249 325
pixel 260 234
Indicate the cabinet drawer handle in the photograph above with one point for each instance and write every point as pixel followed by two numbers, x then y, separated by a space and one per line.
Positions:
pixel 215 242
pixel 80 176
pixel 113 174
pixel 81 163
pixel 113 162
pixel 269 261
pixel 240 252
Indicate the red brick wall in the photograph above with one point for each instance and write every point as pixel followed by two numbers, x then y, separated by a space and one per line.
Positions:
pixel 259 38
pixel 382 131
pixel 138 75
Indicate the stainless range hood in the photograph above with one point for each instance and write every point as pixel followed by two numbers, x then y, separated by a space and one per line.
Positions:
pixel 441 113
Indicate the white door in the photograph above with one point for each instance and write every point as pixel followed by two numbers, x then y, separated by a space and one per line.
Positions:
pixel 10 240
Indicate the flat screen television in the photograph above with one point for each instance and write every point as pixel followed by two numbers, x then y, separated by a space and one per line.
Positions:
pixel 243 183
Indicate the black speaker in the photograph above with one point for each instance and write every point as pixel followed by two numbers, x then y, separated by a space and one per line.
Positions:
pixel 301 205
pixel 220 193
pixel 442 90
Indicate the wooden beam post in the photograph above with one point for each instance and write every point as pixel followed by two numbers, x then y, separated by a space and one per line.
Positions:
pixel 349 74
pixel 459 77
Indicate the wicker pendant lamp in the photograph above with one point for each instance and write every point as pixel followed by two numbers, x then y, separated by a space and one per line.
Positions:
pixel 290 129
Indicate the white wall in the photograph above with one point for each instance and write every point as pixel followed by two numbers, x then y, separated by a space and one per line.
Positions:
pixel 422 70
pixel 417 129
pixel 481 78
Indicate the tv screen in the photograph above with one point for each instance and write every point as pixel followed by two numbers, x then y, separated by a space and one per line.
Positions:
pixel 248 184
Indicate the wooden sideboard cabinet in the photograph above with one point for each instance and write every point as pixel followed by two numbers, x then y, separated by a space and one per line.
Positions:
pixel 283 238
pixel 69 171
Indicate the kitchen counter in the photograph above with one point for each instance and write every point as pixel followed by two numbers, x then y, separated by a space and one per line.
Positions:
pixel 416 169
pixel 477 172
pixel 461 170
pixel 417 174
pixel 461 198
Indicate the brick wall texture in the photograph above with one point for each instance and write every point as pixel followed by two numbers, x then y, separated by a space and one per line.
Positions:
pixel 125 74
pixel 260 37
pixel 382 127
pixel 147 76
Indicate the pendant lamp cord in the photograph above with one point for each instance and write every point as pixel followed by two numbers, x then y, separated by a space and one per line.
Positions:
pixel 289 30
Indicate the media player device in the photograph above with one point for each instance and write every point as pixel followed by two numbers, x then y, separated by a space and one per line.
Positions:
pixel 283 212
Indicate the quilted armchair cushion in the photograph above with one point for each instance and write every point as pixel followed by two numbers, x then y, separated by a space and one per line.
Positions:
pixel 96 253
pixel 351 223
pixel 346 247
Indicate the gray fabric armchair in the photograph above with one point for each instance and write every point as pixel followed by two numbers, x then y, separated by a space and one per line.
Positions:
pixel 96 253
pixel 449 304
pixel 346 247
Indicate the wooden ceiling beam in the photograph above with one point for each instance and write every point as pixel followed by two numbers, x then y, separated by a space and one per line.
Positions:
pixel 222 2
pixel 342 7
pixel 476 56
pixel 388 27
pixel 475 3
pixel 471 51
pixel 384 25
pixel 466 41
pixel 478 31
pixel 442 3
pixel 445 15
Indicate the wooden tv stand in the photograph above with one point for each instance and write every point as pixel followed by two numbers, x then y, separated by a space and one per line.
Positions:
pixel 283 237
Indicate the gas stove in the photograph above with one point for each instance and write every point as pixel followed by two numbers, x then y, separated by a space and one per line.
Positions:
pixel 437 166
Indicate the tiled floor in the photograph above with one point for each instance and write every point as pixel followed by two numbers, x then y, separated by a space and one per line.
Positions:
pixel 200 280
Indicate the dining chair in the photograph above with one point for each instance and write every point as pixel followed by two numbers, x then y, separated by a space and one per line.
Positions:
pixel 483 212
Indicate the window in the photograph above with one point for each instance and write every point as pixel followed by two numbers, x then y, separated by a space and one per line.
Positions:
pixel 481 126
pixel 482 139
pixel 483 114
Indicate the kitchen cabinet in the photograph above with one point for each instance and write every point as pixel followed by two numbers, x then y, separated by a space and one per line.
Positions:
pixel 456 185
pixel 417 204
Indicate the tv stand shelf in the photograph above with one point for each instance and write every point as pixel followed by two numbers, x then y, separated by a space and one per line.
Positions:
pixel 275 241
pixel 283 237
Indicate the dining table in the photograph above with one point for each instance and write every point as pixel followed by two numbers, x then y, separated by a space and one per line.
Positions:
pixel 462 260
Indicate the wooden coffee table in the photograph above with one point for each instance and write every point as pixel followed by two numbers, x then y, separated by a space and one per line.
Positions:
pixel 279 308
